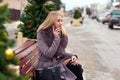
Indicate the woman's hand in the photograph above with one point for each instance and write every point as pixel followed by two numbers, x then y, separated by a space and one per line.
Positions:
pixel 74 60
pixel 56 31
pixel 66 61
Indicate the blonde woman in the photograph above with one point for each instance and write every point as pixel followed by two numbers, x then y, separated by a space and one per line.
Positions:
pixel 52 41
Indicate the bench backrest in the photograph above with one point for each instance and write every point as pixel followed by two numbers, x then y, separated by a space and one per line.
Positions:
pixel 28 56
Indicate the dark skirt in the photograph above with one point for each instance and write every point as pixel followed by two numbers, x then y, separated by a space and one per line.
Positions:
pixel 76 69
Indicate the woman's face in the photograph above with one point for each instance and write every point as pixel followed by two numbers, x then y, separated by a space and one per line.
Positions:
pixel 58 22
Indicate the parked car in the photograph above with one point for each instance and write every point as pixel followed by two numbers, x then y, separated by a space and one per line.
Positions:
pixel 100 17
pixel 106 19
pixel 94 16
pixel 115 18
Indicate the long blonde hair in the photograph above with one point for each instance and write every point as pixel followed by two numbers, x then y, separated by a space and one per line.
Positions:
pixel 50 19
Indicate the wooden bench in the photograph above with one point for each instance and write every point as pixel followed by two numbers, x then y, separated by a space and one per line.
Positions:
pixel 28 56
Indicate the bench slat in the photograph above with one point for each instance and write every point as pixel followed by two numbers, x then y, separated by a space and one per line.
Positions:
pixel 24 60
pixel 30 66
pixel 28 56
pixel 26 51
pixel 24 46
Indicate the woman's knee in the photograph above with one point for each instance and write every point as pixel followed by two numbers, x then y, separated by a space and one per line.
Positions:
pixel 79 67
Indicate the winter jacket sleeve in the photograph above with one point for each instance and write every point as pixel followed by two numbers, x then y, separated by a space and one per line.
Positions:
pixel 48 52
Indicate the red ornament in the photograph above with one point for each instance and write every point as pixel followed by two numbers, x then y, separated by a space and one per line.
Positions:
pixel 29 26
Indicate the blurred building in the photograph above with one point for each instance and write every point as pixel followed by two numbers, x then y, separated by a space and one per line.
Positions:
pixel 62 8
pixel 16 7
pixel 116 4
pixel 98 8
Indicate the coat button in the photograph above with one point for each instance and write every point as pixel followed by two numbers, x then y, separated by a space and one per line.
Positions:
pixel 58 57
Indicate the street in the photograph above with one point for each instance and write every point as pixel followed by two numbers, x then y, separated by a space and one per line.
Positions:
pixel 96 45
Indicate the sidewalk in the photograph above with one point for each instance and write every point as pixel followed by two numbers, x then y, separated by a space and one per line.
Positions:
pixel 81 42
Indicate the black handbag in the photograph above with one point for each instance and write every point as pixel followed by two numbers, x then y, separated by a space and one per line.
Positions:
pixel 49 73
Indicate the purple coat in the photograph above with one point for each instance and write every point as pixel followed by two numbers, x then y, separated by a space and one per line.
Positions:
pixel 52 52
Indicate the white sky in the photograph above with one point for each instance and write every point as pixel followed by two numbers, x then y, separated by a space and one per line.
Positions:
pixel 70 4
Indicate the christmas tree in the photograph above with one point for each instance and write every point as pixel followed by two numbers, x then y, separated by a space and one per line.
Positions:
pixel 34 14
pixel 77 14
pixel 7 55
pixel 58 3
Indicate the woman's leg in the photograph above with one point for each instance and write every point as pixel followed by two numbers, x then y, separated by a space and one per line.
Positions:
pixel 77 70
